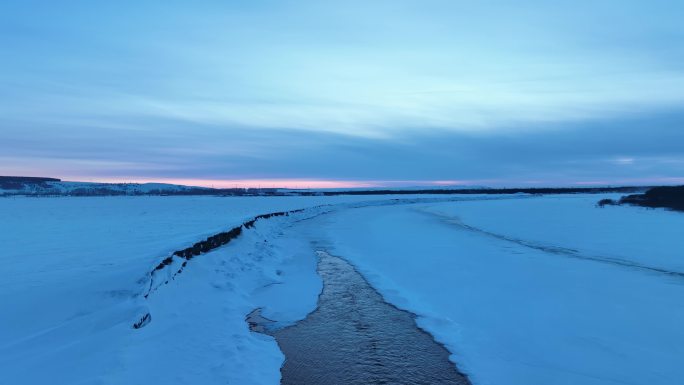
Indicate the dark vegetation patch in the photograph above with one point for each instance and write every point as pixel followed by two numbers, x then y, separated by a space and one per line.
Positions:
pixel 669 197
pixel 606 202
pixel 27 179
pixel 20 182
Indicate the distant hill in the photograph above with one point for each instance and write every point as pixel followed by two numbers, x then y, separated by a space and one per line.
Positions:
pixel 21 182
pixel 19 185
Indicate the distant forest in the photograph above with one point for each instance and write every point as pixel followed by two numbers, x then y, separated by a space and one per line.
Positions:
pixel 670 197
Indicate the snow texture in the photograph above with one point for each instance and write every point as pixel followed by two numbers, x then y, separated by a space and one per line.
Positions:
pixel 74 271
pixel 521 290
pixel 532 291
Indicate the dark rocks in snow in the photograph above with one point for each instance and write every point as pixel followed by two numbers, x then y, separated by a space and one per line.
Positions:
pixel 165 262
pixel 211 243
pixel 146 319
pixel 250 224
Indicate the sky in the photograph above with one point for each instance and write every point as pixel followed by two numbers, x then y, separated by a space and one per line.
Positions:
pixel 344 93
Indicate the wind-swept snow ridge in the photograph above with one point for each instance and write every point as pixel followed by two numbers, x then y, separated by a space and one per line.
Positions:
pixel 170 263
pixel 174 264
pixel 558 250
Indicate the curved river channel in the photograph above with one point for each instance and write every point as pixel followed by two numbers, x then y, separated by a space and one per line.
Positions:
pixel 355 337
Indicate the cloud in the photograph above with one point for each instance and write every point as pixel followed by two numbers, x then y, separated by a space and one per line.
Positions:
pixel 387 90
pixel 181 150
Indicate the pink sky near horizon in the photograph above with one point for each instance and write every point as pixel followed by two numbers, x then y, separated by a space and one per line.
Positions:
pixel 284 183
pixel 330 184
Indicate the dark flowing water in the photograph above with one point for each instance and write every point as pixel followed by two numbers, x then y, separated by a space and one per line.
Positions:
pixel 355 337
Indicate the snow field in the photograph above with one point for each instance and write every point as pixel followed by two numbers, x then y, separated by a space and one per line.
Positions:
pixel 503 283
pixel 512 314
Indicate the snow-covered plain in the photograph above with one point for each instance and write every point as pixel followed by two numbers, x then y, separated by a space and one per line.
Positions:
pixel 516 301
pixel 522 290
pixel 73 270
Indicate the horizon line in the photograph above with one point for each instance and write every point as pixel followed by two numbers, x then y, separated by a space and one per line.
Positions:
pixel 304 183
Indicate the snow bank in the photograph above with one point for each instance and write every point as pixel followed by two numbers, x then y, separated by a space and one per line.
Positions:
pixel 199 334
pixel 514 314
pixel 73 270
pixel 495 280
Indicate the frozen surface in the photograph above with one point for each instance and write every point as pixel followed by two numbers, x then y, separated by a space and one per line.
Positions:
pixel 541 290
pixel 199 334
pixel 652 237
pixel 73 270
pixel 514 314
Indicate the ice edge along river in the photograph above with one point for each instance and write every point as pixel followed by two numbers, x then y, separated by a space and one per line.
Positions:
pixel 507 313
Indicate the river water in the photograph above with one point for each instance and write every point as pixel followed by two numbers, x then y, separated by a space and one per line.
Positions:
pixel 355 337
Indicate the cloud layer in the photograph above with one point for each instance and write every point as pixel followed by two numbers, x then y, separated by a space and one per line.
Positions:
pixel 539 92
